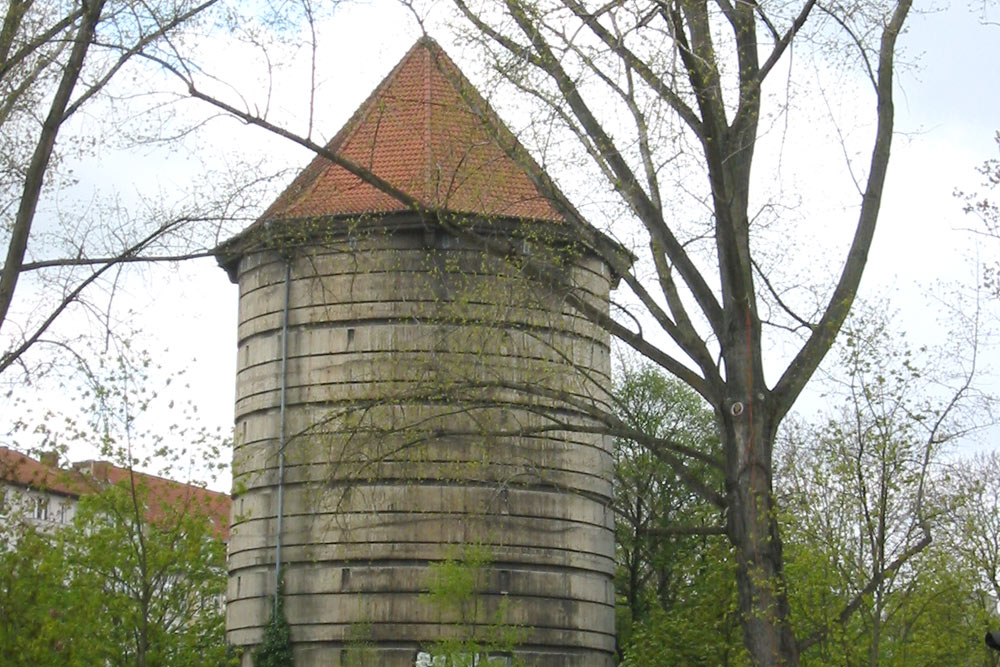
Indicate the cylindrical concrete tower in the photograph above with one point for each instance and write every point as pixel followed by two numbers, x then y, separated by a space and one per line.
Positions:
pixel 415 449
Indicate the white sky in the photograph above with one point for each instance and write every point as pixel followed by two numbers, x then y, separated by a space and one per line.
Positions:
pixel 947 113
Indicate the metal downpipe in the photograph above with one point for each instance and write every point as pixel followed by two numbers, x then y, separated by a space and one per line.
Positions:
pixel 282 436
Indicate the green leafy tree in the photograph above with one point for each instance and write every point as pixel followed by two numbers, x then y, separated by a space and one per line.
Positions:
pixel 138 578
pixel 864 494
pixel 159 582
pixel 972 531
pixel 43 620
pixel 677 601
pixel 134 581
pixel 701 626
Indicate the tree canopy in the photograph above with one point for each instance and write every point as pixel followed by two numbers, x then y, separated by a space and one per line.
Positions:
pixel 114 587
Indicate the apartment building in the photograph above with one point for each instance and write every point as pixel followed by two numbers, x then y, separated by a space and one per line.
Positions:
pixel 45 494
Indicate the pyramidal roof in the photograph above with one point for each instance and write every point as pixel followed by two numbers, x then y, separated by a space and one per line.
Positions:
pixel 418 131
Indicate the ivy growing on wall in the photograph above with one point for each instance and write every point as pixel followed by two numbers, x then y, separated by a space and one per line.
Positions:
pixel 275 649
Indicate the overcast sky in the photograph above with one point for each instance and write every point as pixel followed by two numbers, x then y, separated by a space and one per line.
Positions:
pixel 947 113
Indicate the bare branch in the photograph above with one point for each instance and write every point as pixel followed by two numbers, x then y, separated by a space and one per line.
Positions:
pixel 15 354
pixel 35 175
pixel 805 362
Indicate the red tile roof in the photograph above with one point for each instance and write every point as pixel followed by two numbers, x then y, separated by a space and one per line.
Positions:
pixel 86 477
pixel 420 132
pixel 165 496
pixel 21 470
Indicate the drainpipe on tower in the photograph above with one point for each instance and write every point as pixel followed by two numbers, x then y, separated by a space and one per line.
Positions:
pixel 282 436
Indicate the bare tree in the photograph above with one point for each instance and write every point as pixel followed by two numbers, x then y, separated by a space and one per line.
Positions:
pixel 984 207
pixel 705 65
pixel 60 62
pixel 643 84
pixel 867 485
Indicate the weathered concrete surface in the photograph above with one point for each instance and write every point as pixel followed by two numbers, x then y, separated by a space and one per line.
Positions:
pixel 436 397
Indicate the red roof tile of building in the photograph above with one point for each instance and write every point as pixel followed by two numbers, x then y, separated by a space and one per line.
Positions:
pixel 21 470
pixel 419 131
pixel 165 496
pixel 86 477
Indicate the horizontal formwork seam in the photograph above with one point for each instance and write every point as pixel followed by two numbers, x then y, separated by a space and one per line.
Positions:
pixel 572 317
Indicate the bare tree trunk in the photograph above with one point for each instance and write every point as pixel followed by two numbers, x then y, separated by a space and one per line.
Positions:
pixel 35 177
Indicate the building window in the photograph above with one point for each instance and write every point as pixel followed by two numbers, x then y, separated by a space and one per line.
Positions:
pixel 41 509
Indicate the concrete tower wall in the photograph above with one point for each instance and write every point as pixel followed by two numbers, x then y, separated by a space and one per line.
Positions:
pixel 435 411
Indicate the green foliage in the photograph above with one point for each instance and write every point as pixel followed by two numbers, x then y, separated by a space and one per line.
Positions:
pixel 700 626
pixel 863 493
pixel 162 580
pixel 275 649
pixel 972 523
pixel 43 619
pixel 115 589
pixel 139 576
pixel 676 592
pixel 456 590
pixel 932 617
pixel 856 492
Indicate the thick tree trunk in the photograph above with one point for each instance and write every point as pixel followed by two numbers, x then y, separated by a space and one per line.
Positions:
pixel 753 530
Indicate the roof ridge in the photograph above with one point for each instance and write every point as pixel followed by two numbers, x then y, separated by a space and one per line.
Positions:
pixel 12 459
